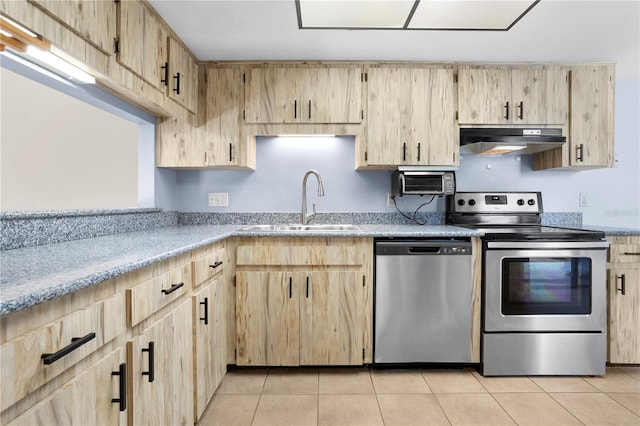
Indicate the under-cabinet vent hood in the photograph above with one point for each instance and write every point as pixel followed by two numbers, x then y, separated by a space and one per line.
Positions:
pixel 495 141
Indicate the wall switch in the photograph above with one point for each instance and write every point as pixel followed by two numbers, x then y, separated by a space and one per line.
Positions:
pixel 584 200
pixel 218 199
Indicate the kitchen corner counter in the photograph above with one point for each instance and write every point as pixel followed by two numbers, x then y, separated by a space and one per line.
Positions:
pixel 32 275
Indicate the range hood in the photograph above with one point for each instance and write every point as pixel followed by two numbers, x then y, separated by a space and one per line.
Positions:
pixel 495 141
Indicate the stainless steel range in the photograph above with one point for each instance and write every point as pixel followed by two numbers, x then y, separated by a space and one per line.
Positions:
pixel 543 288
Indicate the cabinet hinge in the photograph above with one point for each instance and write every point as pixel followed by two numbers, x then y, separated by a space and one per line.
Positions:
pixel 116 45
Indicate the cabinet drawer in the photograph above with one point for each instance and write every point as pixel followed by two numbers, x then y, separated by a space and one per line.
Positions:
pixel 208 266
pixel 624 253
pixel 150 296
pixel 307 256
pixel 23 365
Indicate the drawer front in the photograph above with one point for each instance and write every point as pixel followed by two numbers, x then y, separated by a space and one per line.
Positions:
pixel 150 296
pixel 23 365
pixel 624 253
pixel 306 256
pixel 208 266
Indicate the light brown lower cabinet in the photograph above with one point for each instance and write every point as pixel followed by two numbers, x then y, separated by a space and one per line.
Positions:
pixel 159 362
pixel 624 300
pixel 92 398
pixel 209 346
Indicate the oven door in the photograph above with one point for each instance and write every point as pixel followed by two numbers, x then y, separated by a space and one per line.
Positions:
pixel 545 286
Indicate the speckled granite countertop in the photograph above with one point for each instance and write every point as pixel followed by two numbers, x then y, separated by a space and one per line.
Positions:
pixel 611 231
pixel 32 275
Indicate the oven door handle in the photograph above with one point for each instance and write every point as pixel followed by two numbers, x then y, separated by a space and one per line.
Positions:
pixel 546 245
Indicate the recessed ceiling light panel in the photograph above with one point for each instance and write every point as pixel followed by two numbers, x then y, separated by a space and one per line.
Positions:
pixel 354 13
pixel 468 14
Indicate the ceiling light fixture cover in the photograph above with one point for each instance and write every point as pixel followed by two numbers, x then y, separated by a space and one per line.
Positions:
pixel 478 15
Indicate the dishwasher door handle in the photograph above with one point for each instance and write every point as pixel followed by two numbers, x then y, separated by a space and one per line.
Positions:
pixel 424 249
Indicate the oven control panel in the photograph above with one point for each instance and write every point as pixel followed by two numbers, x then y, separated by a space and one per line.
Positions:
pixel 495 202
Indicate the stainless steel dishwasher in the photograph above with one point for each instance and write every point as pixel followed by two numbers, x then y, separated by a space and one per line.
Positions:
pixel 423 300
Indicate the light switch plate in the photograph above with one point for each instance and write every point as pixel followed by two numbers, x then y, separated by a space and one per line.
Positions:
pixel 218 199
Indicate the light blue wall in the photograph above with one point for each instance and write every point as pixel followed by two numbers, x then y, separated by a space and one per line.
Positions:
pixel 276 185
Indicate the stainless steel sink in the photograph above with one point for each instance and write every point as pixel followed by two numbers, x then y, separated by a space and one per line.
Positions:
pixel 297 227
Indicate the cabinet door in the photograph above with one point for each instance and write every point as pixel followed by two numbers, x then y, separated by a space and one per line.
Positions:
pixel 223 146
pixel 183 80
pixel 86 400
pixel 267 326
pixel 624 316
pixel 270 95
pixel 433 127
pixel 330 95
pixel 143 43
pixel 161 369
pixel 94 21
pixel 484 96
pixel 389 116
pixel 591 123
pixel 209 325
pixel 540 96
pixel 331 318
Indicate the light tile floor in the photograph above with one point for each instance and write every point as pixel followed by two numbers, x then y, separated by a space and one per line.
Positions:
pixel 363 397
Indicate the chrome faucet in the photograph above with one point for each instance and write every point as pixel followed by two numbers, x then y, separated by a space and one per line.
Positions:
pixel 305 216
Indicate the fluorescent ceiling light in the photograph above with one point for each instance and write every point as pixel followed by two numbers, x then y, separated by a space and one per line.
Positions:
pixel 48 60
pixel 493 15
pixel 354 13
pixel 306 136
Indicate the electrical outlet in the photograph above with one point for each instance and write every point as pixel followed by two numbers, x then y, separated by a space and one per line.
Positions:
pixel 218 199
pixel 584 200
pixel 389 200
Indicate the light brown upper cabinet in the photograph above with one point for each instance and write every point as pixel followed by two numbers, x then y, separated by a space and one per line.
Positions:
pixel 591 124
pixel 590 141
pixel 94 21
pixel 146 48
pixel 411 117
pixel 506 95
pixel 303 95
pixel 218 142
pixel 183 84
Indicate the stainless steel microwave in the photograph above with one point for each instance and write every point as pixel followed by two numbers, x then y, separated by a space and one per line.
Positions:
pixel 423 183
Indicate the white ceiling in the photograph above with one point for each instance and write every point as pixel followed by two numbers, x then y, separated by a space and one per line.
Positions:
pixel 554 30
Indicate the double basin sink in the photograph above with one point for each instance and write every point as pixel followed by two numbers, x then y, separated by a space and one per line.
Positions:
pixel 299 228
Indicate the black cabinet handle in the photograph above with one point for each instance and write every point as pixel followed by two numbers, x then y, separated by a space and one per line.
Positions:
pixel 230 152
pixel 622 282
pixel 404 152
pixel 295 108
pixel 290 288
pixel 172 288
pixel 630 253
pixel 307 287
pixel 206 311
pixel 579 152
pixel 165 68
pixel 177 88
pixel 506 110
pixel 122 400
pixel 309 109
pixel 151 372
pixel 216 264
pixel 76 342
pixel 521 108
pixel 418 151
